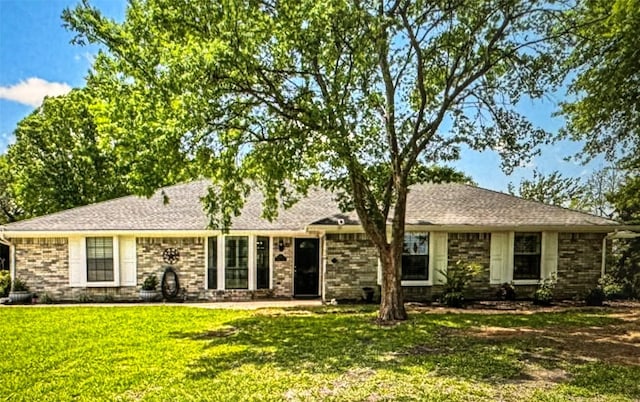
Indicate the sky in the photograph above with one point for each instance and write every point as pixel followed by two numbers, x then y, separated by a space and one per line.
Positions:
pixel 37 59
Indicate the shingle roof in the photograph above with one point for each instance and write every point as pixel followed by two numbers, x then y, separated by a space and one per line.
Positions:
pixel 428 204
pixel 453 204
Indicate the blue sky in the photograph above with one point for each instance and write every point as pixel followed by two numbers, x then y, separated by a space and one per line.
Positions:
pixel 36 59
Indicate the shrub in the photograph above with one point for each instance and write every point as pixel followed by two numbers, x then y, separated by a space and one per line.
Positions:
pixel 5 283
pixel 507 292
pixel 19 285
pixel 150 282
pixel 595 297
pixel 458 278
pixel 46 298
pixel 612 288
pixel 544 294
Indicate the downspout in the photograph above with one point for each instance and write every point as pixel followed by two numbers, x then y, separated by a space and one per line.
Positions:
pixel 604 255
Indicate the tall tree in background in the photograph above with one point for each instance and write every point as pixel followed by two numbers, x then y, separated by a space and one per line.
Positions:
pixel 552 189
pixel 57 162
pixel 10 211
pixel 349 95
pixel 606 112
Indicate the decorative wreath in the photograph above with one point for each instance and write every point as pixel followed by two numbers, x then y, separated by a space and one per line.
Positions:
pixel 171 255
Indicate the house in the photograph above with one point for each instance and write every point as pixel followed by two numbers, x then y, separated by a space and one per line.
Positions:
pixel 312 249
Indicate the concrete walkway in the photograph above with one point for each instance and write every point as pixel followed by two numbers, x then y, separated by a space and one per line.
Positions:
pixel 239 305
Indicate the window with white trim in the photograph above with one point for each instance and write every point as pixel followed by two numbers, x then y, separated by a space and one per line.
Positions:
pixel 415 257
pixel 527 256
pixel 100 259
pixel 236 256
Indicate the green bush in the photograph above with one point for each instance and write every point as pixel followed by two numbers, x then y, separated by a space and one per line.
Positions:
pixel 5 283
pixel 150 282
pixel 458 278
pixel 507 292
pixel 19 285
pixel 611 287
pixel 544 294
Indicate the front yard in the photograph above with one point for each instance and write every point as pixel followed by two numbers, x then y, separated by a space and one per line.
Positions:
pixel 330 353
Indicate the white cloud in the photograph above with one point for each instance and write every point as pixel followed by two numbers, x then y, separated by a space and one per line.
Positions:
pixel 33 90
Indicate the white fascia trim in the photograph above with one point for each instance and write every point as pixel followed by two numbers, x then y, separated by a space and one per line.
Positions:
pixel 416 283
pixel 145 233
pixel 335 229
pixel 526 281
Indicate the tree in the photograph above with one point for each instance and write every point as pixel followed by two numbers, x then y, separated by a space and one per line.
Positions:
pixel 57 161
pixel 603 110
pixel 552 189
pixel 350 95
pixel 9 210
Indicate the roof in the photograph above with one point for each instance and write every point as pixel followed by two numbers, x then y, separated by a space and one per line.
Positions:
pixel 449 204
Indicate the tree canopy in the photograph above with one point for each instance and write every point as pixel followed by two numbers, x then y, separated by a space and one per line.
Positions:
pixel 350 95
pixel 57 161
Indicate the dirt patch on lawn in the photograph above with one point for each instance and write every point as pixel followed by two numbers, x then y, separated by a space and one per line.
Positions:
pixel 617 343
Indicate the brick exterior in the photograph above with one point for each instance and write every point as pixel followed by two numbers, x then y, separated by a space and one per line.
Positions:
pixel 355 266
pixel 579 263
pixel 351 264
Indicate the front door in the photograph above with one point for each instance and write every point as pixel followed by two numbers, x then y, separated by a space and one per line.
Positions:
pixel 306 269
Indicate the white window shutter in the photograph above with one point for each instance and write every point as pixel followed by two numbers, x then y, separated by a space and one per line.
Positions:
pixel 500 266
pixel 77 262
pixel 128 262
pixel 439 256
pixel 549 263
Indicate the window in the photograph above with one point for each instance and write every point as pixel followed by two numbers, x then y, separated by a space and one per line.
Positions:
pixel 212 263
pixel 415 257
pixel 262 263
pixel 99 259
pixel 236 254
pixel 526 256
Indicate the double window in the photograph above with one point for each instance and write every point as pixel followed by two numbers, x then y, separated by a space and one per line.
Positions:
pixel 415 257
pixel 99 259
pixel 526 256
pixel 242 260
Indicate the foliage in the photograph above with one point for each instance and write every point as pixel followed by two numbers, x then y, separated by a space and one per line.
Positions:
pixel 323 354
pixel 604 113
pixel 507 292
pixel 277 97
pixel 544 293
pixel 595 297
pixel 5 283
pixel 552 189
pixel 19 285
pixel 46 298
pixel 58 161
pixel 150 282
pixel 611 286
pixel 9 209
pixel 458 278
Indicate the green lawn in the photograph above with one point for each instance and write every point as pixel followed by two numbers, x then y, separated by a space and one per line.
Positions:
pixel 183 353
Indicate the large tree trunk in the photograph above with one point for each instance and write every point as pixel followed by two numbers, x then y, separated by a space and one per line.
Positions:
pixel 392 299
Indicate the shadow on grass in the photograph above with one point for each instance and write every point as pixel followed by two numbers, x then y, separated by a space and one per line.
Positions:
pixel 521 347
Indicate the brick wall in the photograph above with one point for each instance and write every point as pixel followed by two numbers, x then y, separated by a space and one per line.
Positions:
pixel 352 263
pixel 44 265
pixel 476 248
pixel 579 263
pixel 190 268
pixel 283 270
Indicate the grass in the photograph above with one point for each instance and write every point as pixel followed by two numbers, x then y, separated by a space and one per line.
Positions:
pixel 182 353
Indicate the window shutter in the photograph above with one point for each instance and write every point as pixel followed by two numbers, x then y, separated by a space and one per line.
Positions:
pixel 499 260
pixel 439 253
pixel 77 262
pixel 128 263
pixel 549 264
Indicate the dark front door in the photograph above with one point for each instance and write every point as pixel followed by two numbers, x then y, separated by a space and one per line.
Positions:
pixel 306 267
